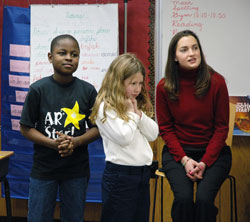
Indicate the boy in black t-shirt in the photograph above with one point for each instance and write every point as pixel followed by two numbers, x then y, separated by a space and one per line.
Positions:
pixel 54 117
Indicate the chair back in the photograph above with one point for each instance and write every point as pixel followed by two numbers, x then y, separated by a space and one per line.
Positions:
pixel 229 139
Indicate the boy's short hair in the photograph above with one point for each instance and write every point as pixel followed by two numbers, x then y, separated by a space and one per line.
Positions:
pixel 59 37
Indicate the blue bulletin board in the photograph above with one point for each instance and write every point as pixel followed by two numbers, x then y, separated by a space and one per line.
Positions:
pixel 16 33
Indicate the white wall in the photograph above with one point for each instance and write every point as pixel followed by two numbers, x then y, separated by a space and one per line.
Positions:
pixel 223 27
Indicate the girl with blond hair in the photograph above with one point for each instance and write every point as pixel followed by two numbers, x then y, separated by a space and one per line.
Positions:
pixel 122 113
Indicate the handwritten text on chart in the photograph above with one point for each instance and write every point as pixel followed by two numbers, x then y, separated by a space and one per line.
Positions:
pixel 16 110
pixel 95 28
pixel 19 81
pixel 20 96
pixel 185 14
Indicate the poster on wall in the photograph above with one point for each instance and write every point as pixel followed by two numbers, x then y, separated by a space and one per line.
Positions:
pixel 242 115
pixel 97 37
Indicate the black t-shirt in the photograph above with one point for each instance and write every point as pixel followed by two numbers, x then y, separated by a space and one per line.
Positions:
pixel 51 107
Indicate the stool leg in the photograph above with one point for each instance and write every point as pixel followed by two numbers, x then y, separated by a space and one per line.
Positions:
pixel 155 193
pixel 231 198
pixel 235 200
pixel 161 199
pixel 7 198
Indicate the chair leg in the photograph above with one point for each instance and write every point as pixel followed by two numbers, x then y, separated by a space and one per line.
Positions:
pixel 155 193
pixel 7 198
pixel 161 199
pixel 233 197
pixel 235 200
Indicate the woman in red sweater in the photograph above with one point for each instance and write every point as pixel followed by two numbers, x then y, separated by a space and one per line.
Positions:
pixel 192 107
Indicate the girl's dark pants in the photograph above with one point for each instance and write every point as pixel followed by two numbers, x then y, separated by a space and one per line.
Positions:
pixel 125 193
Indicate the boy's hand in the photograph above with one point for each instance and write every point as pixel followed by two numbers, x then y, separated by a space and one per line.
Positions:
pixel 66 150
pixel 65 147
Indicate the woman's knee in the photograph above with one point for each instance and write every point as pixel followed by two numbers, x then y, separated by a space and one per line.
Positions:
pixel 184 197
pixel 205 197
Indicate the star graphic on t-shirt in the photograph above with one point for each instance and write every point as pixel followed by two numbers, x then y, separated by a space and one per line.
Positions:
pixel 73 116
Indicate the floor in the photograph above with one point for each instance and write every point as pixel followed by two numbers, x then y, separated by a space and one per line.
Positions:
pixel 14 219
pixel 21 219
pixel 18 219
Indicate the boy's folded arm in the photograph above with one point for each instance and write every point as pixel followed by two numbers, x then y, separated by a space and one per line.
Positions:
pixel 35 136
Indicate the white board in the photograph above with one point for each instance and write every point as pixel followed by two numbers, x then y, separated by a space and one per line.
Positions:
pixel 223 27
pixel 94 26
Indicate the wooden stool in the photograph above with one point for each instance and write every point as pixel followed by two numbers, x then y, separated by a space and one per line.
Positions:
pixel 158 174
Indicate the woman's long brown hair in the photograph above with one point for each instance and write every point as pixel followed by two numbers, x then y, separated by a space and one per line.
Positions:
pixel 172 69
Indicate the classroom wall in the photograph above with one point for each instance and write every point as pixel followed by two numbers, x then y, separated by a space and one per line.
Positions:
pixel 138 43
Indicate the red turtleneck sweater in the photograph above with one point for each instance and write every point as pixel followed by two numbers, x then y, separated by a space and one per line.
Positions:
pixel 192 121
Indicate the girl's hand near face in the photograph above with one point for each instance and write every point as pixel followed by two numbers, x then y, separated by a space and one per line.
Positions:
pixel 132 106
pixel 137 111
pixel 129 105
